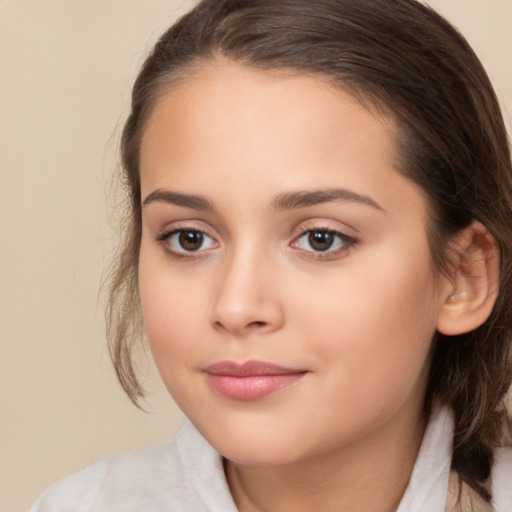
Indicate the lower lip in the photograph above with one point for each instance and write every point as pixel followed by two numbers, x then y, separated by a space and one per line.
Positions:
pixel 251 387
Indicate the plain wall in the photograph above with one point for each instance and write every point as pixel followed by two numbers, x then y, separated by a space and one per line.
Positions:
pixel 66 68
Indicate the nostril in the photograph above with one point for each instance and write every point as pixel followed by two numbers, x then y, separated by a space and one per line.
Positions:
pixel 257 324
pixel 247 327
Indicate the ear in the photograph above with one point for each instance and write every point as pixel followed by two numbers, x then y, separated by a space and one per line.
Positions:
pixel 471 292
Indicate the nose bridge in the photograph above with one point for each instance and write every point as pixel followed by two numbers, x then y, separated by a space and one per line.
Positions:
pixel 245 298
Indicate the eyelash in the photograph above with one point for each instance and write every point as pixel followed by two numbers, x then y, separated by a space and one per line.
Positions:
pixel 328 254
pixel 164 238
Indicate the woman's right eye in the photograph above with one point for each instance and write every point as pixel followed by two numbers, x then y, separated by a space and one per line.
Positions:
pixel 187 241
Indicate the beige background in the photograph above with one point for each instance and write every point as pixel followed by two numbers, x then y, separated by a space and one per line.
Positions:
pixel 66 68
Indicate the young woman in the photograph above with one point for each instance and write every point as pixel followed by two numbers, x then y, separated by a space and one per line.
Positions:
pixel 320 248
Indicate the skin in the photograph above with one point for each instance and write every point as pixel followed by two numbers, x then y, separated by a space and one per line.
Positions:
pixel 358 319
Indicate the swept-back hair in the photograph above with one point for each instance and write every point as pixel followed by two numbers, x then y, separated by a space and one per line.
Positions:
pixel 401 58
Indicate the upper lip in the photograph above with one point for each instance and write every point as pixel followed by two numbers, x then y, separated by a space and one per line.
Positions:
pixel 248 369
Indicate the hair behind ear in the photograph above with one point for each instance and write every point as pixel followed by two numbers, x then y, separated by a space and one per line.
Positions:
pixel 471 367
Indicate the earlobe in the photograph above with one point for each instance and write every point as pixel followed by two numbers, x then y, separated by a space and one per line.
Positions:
pixel 472 291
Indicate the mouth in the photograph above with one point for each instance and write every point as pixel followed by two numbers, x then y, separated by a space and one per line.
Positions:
pixel 251 380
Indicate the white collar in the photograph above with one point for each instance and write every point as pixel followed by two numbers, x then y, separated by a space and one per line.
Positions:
pixel 426 492
pixel 428 487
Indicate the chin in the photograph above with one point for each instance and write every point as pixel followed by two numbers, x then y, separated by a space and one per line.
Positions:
pixel 259 456
pixel 257 446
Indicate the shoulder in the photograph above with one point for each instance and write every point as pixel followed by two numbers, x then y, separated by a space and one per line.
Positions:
pixel 502 480
pixel 130 481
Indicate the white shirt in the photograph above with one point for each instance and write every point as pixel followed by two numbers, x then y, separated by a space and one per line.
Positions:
pixel 186 475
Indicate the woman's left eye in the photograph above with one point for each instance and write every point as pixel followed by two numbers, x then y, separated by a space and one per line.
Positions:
pixel 185 241
pixel 323 241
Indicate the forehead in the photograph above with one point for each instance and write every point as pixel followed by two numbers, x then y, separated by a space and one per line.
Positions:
pixel 226 83
pixel 226 122
pixel 221 90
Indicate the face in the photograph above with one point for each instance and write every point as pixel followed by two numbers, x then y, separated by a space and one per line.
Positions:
pixel 285 277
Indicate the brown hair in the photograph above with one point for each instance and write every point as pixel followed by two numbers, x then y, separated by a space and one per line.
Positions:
pixel 401 57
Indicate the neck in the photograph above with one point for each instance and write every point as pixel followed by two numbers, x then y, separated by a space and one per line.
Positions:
pixel 371 474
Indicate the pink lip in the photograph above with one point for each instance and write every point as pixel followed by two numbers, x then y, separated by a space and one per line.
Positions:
pixel 251 380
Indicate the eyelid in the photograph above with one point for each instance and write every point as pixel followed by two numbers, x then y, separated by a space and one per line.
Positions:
pixel 328 254
pixel 320 224
pixel 164 236
pixel 184 225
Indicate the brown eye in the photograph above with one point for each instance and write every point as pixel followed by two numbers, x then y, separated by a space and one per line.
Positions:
pixel 327 241
pixel 191 240
pixel 321 240
pixel 186 241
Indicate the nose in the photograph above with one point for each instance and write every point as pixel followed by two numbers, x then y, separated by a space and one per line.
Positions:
pixel 247 299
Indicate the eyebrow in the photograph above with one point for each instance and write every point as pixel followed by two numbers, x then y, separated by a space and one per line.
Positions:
pixel 306 198
pixel 281 202
pixel 186 200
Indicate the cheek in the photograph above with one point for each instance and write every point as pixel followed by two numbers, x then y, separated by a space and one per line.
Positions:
pixel 174 333
pixel 375 294
pixel 172 310
pixel 374 327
